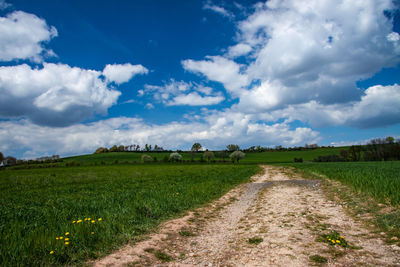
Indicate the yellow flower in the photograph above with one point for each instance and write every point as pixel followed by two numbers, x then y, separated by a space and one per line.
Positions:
pixel 342 237
pixel 333 241
pixel 61 237
pixel 85 219
pixel 67 233
pixel 66 243
pixel 52 252
pixel 78 221
pixel 99 219
pixel 338 241
pixel 66 239
pixel 73 221
pixel 57 238
pixel 92 233
pixel 88 219
pixel 92 221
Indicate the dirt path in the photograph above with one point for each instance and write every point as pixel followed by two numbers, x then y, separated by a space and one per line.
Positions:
pixel 287 215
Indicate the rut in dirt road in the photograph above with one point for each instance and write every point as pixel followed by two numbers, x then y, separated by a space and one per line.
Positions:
pixel 285 213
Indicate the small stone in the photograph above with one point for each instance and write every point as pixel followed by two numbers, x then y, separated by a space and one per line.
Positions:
pixel 394 238
pixel 191 254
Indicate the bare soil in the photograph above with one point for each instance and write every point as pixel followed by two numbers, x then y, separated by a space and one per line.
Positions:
pixel 285 213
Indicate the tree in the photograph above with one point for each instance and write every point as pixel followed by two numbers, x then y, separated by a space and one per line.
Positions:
pixel 1 156
pixel 208 155
pixel 114 148
pixel 236 156
pixel 11 160
pixel 175 156
pixel 232 147
pixel 101 150
pixel 121 148
pixel 196 147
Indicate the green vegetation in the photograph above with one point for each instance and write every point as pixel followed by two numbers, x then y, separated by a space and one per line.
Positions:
pixel 123 202
pixel 380 180
pixel 318 259
pixel 255 240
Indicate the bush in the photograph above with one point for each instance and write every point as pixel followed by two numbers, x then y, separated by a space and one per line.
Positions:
pixel 208 155
pixel 328 158
pixel 175 156
pixel 298 160
pixel 236 156
pixel 146 158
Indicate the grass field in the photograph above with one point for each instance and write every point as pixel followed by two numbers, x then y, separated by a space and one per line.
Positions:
pixel 254 157
pixel 381 180
pixel 123 202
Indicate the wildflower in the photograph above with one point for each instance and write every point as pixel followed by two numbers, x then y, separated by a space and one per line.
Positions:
pixel 92 221
pixel 73 221
pixel 88 219
pixel 57 238
pixel 342 237
pixel 67 233
pixel 333 241
pixel 66 243
pixel 92 233
pixel 78 221
pixel 52 252
pixel 338 241
pixel 61 237
pixel 66 239
pixel 99 219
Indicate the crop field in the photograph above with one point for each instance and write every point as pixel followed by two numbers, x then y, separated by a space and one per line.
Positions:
pixel 61 216
pixel 253 157
pixel 380 180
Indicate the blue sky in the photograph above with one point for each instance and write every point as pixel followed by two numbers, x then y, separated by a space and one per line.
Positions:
pixel 76 75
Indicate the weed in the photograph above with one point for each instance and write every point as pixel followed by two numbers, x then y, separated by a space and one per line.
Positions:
pixel 163 257
pixel 186 233
pixel 318 259
pixel 334 239
pixel 255 240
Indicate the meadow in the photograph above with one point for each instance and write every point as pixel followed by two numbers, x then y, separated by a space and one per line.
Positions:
pixel 380 180
pixel 63 216
pixel 253 157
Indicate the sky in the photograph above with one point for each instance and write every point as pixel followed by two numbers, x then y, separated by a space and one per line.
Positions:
pixel 78 75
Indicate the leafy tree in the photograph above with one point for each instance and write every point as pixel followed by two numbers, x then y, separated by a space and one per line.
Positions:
pixel 1 156
pixel 208 155
pixel 196 147
pixel 232 147
pixel 121 148
pixel 11 160
pixel 114 148
pixel 101 150
pixel 175 156
pixel 236 156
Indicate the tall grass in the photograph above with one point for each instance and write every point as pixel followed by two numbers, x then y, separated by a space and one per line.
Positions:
pixel 39 205
pixel 380 180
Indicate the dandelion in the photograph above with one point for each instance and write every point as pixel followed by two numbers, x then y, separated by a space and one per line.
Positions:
pixel 57 238
pixel 78 221
pixel 338 241
pixel 67 233
pixel 99 219
pixel 73 221
pixel 66 239
pixel 52 252
pixel 88 219
pixel 92 221
pixel 61 237
pixel 66 243
pixel 342 237
pixel 92 233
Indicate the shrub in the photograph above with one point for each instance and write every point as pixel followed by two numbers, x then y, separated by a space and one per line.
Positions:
pixel 208 155
pixel 328 158
pixel 146 158
pixel 175 156
pixel 165 159
pixel 298 159
pixel 236 156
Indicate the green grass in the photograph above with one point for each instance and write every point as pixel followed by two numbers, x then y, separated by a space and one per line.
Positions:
pixel 39 205
pixel 255 240
pixel 380 180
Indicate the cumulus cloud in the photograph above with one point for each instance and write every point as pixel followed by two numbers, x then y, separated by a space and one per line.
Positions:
pixel 4 4
pixel 216 131
pixel 23 36
pixel 175 93
pixel 55 94
pixel 378 107
pixel 121 73
pixel 306 52
pixel 220 69
pixel 217 9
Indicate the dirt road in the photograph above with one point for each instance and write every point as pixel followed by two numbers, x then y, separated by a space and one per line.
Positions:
pixel 277 219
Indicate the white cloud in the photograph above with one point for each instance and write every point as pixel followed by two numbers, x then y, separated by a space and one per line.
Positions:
pixel 378 107
pixel 217 9
pixel 23 36
pixel 216 132
pixel 4 4
pixel 55 94
pixel 220 69
pixel 238 50
pixel 149 106
pixel 177 93
pixel 194 99
pixel 121 73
